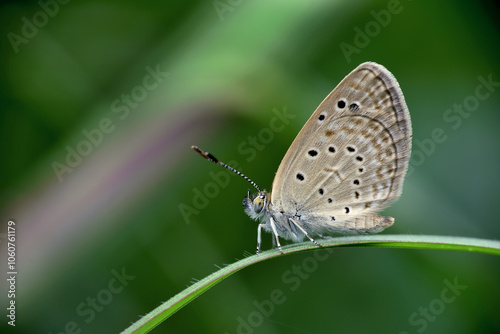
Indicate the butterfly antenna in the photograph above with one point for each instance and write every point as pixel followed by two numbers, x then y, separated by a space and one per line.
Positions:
pixel 210 157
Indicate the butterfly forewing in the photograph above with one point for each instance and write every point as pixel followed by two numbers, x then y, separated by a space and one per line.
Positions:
pixel 350 157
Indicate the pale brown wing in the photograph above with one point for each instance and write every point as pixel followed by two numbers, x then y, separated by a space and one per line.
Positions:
pixel 351 156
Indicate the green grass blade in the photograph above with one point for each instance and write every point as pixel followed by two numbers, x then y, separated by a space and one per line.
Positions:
pixel 165 310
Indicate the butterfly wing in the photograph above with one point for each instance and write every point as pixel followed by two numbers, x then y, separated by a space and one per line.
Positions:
pixel 350 157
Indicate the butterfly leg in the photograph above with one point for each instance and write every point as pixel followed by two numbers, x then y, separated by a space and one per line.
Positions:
pixel 259 229
pixel 273 226
pixel 304 231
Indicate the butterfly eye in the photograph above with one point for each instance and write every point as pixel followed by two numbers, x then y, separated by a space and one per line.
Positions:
pixel 258 204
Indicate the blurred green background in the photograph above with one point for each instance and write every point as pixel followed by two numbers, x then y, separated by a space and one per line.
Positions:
pixel 129 86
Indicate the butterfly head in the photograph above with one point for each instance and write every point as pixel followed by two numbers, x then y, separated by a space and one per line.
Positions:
pixel 256 205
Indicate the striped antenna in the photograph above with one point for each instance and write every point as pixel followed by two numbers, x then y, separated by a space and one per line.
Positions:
pixel 210 157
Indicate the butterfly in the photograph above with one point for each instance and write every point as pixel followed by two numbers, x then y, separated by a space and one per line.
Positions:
pixel 347 163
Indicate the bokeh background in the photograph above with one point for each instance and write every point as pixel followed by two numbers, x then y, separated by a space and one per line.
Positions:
pixel 146 80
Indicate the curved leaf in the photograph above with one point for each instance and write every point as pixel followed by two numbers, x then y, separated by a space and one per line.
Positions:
pixel 165 310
